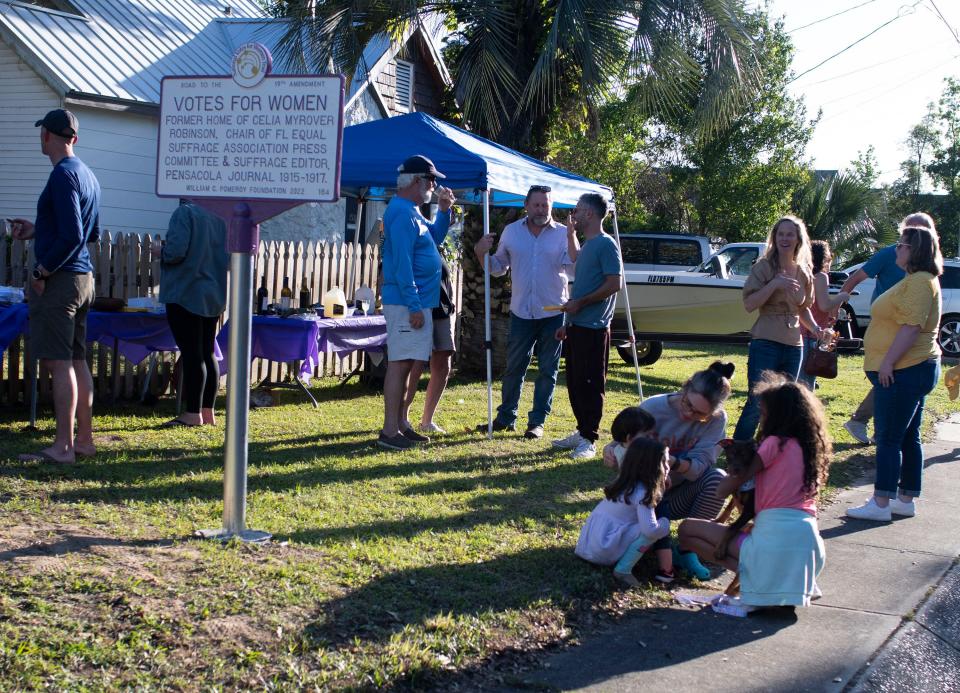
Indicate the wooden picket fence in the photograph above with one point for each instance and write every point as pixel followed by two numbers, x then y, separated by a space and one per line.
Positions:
pixel 125 268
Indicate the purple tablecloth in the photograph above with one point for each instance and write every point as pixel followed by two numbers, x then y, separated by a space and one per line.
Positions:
pixel 13 322
pixel 344 335
pixel 279 339
pixel 136 334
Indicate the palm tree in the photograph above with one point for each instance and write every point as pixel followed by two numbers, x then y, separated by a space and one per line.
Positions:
pixel 517 63
pixel 842 210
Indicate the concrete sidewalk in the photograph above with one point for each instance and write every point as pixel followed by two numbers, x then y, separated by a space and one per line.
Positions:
pixel 889 619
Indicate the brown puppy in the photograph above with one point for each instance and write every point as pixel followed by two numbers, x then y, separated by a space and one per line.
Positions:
pixel 740 454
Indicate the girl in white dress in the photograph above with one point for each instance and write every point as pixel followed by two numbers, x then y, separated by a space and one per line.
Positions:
pixel 624 524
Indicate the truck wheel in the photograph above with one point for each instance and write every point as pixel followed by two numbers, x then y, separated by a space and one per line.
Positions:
pixel 949 336
pixel 647 352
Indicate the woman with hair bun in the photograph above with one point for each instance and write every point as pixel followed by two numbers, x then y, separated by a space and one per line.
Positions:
pixel 691 423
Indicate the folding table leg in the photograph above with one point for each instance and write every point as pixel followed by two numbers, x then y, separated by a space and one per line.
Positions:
pixel 303 387
pixel 151 364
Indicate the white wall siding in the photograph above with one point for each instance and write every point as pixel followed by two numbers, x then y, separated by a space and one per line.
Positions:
pixel 121 148
pixel 24 98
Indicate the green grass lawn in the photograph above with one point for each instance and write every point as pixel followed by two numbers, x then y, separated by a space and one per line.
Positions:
pixel 429 568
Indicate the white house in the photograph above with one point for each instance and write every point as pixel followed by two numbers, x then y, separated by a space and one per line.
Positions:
pixel 104 59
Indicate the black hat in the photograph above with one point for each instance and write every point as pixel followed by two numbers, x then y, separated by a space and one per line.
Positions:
pixel 420 164
pixel 60 122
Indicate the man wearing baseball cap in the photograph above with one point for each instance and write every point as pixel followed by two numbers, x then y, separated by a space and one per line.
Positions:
pixel 411 287
pixel 61 287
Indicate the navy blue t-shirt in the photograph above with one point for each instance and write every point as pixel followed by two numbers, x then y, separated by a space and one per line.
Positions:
pixel 68 217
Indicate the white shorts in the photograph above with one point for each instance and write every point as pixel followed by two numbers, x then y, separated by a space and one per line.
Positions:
pixel 404 342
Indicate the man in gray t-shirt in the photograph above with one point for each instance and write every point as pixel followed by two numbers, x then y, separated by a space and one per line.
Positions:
pixel 588 314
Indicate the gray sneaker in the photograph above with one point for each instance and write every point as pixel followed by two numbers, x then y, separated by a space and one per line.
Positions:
pixel 533 433
pixel 858 431
pixel 570 442
pixel 414 437
pixel 397 442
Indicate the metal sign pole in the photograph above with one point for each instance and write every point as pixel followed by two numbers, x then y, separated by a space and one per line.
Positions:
pixel 242 241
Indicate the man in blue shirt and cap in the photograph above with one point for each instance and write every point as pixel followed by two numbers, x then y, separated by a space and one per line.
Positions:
pixel 411 287
pixel 61 288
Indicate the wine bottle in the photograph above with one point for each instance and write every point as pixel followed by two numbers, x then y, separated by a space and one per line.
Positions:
pixel 286 295
pixel 305 293
pixel 262 297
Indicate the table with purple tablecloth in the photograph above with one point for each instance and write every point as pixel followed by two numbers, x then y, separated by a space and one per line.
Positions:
pixel 279 339
pixel 360 332
pixel 13 323
pixel 135 334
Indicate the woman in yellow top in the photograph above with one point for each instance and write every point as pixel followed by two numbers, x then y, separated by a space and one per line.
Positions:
pixel 902 360
pixel 780 287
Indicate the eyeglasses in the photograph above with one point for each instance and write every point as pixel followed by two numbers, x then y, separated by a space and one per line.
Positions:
pixel 429 178
pixel 902 245
pixel 686 406
pixel 539 189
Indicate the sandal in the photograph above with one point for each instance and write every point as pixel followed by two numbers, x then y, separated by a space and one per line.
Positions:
pixel 177 423
pixel 41 456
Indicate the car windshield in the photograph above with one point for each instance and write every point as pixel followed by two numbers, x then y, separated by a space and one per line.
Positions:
pixel 733 261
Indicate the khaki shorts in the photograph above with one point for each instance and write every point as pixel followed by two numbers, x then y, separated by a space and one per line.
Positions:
pixel 443 334
pixel 403 342
pixel 58 317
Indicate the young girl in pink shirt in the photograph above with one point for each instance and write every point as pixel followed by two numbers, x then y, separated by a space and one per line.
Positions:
pixel 781 557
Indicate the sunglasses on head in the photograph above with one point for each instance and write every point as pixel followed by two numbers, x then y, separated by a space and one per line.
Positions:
pixel 539 189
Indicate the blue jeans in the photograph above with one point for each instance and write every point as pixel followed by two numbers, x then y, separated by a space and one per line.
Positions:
pixel 524 336
pixel 764 355
pixel 809 344
pixel 897 414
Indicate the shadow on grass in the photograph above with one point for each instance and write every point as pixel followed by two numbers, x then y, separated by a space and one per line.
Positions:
pixel 440 598
pixel 75 543
pixel 645 641
pixel 390 602
pixel 318 465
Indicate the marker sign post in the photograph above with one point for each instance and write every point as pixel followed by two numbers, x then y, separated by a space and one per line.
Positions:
pixel 247 146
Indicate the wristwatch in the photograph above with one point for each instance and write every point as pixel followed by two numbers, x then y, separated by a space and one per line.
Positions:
pixel 38 276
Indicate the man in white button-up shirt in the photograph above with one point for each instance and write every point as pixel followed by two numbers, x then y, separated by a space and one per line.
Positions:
pixel 540 253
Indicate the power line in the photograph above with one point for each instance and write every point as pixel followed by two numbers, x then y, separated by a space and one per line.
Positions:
pixel 823 19
pixel 859 40
pixel 885 92
pixel 871 88
pixel 952 31
pixel 873 65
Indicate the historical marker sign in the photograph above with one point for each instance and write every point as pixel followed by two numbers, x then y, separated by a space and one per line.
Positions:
pixel 251 136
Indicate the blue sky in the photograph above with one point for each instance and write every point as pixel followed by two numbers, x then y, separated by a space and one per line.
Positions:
pixel 877 90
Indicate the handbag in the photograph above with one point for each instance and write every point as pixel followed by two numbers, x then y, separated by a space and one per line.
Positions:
pixel 446 307
pixel 821 364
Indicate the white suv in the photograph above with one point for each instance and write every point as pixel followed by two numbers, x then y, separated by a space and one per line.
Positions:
pixel 949 336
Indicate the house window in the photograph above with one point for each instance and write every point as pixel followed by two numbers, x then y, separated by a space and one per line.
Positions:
pixel 404 95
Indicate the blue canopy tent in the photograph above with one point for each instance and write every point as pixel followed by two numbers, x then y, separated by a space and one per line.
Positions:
pixel 372 151
pixel 478 170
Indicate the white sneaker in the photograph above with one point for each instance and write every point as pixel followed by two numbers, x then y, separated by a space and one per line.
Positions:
pixel 584 451
pixel 430 428
pixel 902 508
pixel 570 442
pixel 858 430
pixel 870 511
